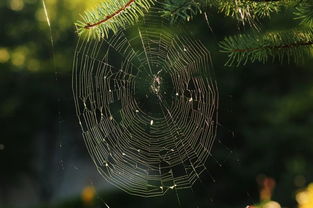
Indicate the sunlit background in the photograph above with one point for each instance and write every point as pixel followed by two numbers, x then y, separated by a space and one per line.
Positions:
pixel 265 139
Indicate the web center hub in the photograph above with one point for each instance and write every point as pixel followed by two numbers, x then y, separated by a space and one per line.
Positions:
pixel 156 84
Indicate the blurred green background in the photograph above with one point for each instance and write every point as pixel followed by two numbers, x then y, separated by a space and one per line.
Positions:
pixel 265 136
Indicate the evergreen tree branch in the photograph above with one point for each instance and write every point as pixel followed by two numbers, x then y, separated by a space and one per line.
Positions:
pixel 246 11
pixel 181 9
pixel 260 47
pixel 304 12
pixel 90 25
pixel 111 15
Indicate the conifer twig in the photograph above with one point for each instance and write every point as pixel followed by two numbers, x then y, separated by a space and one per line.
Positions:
pixel 90 25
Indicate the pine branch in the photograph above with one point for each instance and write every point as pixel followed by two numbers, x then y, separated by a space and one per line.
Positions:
pixel 178 10
pixel 304 12
pixel 107 18
pixel 111 15
pixel 246 11
pixel 288 45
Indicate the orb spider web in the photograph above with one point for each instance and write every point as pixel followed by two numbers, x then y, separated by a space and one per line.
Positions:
pixel 147 106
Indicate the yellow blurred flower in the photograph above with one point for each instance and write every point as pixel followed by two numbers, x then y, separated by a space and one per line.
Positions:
pixel 88 195
pixel 305 197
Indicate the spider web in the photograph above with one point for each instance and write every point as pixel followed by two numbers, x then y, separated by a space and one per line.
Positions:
pixel 147 107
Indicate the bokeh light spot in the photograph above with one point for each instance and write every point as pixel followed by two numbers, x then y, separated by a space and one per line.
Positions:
pixel 305 197
pixel 33 65
pixel 4 55
pixel 272 204
pixel 16 5
pixel 88 194
pixel 299 181
pixel 18 58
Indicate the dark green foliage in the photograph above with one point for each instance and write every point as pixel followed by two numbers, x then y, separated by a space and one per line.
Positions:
pixel 304 12
pixel 181 9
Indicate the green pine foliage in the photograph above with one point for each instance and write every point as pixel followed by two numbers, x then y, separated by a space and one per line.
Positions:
pixel 178 10
pixel 247 10
pixel 111 15
pixel 293 44
pixel 304 12
pixel 285 45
